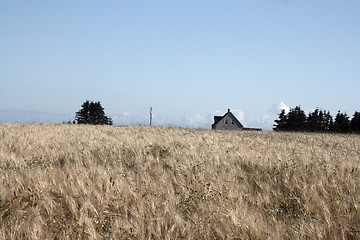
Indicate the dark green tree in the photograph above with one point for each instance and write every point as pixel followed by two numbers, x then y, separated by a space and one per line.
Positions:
pixel 319 121
pixel 296 119
pixel 313 121
pixel 92 113
pixel 326 122
pixel 355 123
pixel 83 115
pixel 342 123
pixel 280 124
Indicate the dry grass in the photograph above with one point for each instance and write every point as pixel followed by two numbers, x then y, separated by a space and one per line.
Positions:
pixel 93 182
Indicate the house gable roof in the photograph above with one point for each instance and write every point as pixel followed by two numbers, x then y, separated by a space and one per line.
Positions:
pixel 219 118
pixel 235 119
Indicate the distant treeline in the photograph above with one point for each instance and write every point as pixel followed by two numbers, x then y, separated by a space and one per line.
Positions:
pixel 317 121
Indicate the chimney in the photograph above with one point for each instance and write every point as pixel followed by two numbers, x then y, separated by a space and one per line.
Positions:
pixel 228 110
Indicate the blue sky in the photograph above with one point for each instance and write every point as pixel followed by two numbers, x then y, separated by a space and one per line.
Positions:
pixel 189 60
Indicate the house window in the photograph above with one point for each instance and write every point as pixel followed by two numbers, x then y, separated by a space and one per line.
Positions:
pixel 226 121
pixel 232 122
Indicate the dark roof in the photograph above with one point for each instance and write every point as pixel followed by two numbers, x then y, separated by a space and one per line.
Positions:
pixel 217 119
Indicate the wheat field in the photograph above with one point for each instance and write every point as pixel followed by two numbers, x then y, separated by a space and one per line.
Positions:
pixel 107 182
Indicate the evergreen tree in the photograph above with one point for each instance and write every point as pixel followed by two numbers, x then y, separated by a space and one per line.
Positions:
pixel 342 123
pixel 327 122
pixel 319 121
pixel 280 124
pixel 355 123
pixel 83 115
pixel 313 121
pixel 92 113
pixel 296 119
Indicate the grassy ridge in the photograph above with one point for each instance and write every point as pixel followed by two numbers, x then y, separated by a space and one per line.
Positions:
pixel 91 182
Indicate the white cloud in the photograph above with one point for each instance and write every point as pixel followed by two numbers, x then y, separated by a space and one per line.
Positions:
pixel 218 113
pixel 122 118
pixel 127 118
pixel 239 115
pixel 264 121
pixel 197 120
pixel 282 106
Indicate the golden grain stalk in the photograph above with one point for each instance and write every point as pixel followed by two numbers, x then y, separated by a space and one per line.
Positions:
pixel 91 182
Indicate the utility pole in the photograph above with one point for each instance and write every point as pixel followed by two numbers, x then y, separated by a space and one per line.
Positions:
pixel 150 116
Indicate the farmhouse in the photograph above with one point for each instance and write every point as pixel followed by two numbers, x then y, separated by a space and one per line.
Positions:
pixel 229 122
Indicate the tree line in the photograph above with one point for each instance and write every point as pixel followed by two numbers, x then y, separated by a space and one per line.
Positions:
pixel 317 121
pixel 295 120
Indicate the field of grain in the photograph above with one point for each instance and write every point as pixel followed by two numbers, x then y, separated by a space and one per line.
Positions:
pixel 106 182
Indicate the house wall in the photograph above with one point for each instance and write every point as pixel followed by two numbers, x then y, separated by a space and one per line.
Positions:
pixel 227 123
